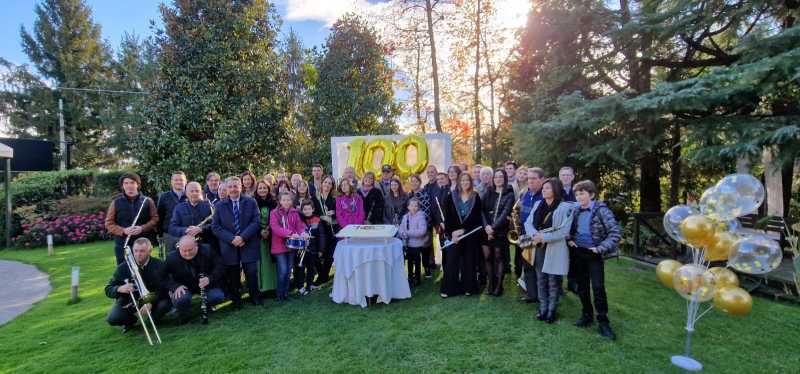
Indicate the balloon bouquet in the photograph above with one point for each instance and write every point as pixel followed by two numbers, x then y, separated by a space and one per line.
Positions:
pixel 711 233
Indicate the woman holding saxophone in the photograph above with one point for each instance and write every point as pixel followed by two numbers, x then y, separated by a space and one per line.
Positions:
pixel 498 200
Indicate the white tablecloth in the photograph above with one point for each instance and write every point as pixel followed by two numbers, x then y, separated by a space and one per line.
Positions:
pixel 372 268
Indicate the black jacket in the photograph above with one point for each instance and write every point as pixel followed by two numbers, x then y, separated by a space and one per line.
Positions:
pixel 474 218
pixel 153 274
pixel 498 220
pixel 181 272
pixel 166 205
pixel 373 206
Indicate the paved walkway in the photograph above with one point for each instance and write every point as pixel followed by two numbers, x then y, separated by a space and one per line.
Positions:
pixel 21 285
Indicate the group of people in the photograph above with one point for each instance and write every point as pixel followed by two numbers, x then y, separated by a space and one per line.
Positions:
pixel 213 234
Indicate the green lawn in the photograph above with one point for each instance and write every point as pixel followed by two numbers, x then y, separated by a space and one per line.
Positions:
pixel 426 333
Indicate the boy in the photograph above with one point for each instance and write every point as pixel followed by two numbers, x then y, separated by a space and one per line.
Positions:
pixel 307 268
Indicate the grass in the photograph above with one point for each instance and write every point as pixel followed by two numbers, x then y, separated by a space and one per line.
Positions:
pixel 426 333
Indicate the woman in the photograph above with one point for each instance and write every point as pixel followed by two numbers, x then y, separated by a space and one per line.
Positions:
pixel 325 208
pixel 373 200
pixel 248 183
pixel 267 275
pixel 462 214
pixel 425 205
pixel 453 172
pixel 349 205
pixel 283 187
pixel 222 191
pixel 301 194
pixel 395 203
pixel 549 224
pixel 498 201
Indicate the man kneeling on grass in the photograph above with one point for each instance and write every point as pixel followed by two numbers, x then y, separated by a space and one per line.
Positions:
pixel 189 269
pixel 120 287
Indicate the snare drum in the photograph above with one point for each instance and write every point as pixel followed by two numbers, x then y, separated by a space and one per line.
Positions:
pixel 296 243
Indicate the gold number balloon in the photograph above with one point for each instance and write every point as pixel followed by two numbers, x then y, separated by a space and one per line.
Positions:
pixel 722 246
pixel 694 282
pixel 665 271
pixel 418 142
pixel 355 158
pixel 673 219
pixel 386 146
pixel 733 300
pixel 698 230
pixel 725 277
pixel 756 255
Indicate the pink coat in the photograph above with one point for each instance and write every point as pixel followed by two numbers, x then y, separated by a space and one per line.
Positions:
pixel 279 232
pixel 349 210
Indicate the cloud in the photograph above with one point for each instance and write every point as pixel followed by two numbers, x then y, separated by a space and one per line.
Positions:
pixel 327 11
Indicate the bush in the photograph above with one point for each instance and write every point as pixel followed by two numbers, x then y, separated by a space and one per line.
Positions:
pixel 65 230
pixel 80 205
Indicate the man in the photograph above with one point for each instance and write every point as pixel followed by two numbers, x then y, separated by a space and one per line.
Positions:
pixel 511 171
pixel 567 175
pixel 212 187
pixel 476 176
pixel 120 287
pixel 463 166
pixel 387 173
pixel 431 186
pixel 316 180
pixel 295 181
pixel 188 215
pixel 184 268
pixel 530 197
pixel 122 211
pixel 484 181
pixel 166 205
pixel 237 225
pixel 222 193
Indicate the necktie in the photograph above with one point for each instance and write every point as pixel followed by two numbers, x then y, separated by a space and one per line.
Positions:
pixel 236 217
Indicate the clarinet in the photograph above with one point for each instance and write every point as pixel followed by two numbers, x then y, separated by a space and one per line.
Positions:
pixel 203 303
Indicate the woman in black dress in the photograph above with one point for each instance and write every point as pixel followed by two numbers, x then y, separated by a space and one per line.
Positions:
pixel 325 208
pixel 498 201
pixel 462 214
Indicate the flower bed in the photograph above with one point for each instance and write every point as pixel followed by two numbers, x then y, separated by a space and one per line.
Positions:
pixel 71 229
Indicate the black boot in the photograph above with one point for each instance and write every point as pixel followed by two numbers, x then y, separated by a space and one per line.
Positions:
pixel 551 317
pixel 606 332
pixel 541 315
pixel 586 320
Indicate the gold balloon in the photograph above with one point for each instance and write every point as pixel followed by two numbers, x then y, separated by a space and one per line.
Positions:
pixel 725 277
pixel 733 300
pixel 698 230
pixel 666 270
pixel 386 146
pixel 401 159
pixel 722 246
pixel 355 158
pixel 694 282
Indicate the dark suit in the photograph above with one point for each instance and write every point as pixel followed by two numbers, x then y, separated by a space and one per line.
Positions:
pixel 182 272
pixel 247 256
pixel 166 205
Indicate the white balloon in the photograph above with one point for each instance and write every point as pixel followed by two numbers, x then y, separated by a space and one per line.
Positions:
pixel 673 218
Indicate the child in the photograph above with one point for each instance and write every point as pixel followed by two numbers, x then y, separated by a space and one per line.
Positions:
pixel 414 231
pixel 594 233
pixel 307 269
pixel 285 223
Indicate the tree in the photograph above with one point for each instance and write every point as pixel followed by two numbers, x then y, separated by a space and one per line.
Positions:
pixel 66 49
pixel 353 94
pixel 218 103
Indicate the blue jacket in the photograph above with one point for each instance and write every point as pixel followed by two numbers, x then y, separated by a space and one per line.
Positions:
pixel 605 230
pixel 249 228
pixel 186 215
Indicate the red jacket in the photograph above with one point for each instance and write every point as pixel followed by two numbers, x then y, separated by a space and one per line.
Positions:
pixel 283 224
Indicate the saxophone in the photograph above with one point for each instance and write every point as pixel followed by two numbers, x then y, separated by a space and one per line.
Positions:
pixel 513 236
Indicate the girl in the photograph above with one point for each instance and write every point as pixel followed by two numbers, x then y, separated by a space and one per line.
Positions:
pixel 453 172
pixel 549 224
pixel 302 194
pixel 283 187
pixel 325 209
pixel 594 233
pixel 248 183
pixel 349 206
pixel 395 203
pixel 285 223
pixel 498 201
pixel 307 268
pixel 462 214
pixel 373 200
pixel 267 275
pixel 414 231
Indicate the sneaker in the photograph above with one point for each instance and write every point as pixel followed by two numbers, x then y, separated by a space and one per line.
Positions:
pixel 313 287
pixel 303 291
pixel 428 273
pixel 521 284
pixel 606 332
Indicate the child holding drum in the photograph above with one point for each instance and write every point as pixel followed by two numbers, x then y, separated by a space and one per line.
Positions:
pixel 286 227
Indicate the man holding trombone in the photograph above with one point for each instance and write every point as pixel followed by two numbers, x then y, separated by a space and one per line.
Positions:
pixel 121 287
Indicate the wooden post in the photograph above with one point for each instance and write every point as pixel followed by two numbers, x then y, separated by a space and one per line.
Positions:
pixel 76 270
pixel 50 250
